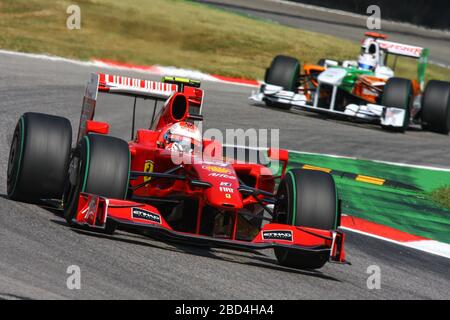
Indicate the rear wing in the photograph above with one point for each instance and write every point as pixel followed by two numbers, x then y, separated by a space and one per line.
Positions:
pixel 137 88
pixel 407 50
pixel 400 49
pixel 134 87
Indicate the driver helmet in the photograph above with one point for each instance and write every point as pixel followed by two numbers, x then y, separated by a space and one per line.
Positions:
pixel 368 58
pixel 182 137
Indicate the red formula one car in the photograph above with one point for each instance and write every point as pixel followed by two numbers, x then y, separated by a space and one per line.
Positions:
pixel 169 182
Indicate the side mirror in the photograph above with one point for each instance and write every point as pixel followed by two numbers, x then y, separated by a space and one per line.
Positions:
pixel 278 154
pixel 97 127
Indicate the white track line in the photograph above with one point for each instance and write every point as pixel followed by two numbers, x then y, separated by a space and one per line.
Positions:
pixel 157 70
pixel 351 158
pixel 400 164
pixel 48 58
pixel 430 246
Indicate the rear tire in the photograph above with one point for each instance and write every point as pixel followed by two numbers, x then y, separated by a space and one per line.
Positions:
pixel 398 93
pixel 436 107
pixel 101 167
pixel 284 72
pixel 39 157
pixel 306 198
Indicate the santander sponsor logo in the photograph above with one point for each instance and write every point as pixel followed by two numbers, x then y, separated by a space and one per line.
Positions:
pixel 401 48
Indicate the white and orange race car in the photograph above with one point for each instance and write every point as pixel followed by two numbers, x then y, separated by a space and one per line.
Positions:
pixel 365 89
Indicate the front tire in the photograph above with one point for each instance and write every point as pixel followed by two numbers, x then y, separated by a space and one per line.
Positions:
pixel 306 198
pixel 436 107
pixel 39 157
pixel 101 167
pixel 284 71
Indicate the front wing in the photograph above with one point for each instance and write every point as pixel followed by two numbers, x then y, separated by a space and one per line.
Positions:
pixel 95 212
pixel 369 112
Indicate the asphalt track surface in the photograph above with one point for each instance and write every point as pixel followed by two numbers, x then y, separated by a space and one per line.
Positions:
pixel 342 25
pixel 37 247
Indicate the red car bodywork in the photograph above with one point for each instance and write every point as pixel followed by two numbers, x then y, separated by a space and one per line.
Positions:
pixel 154 177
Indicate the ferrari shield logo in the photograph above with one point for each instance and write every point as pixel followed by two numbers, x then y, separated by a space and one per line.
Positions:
pixel 148 167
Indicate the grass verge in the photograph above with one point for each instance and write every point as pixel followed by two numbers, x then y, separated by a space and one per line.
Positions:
pixel 169 32
pixel 442 196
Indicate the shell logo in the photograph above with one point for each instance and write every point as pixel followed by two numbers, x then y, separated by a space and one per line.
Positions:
pixel 217 169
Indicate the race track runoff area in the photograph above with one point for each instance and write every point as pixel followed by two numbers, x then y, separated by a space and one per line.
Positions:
pixel 386 194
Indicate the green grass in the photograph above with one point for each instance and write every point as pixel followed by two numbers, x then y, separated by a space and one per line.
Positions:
pixel 168 32
pixel 441 196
